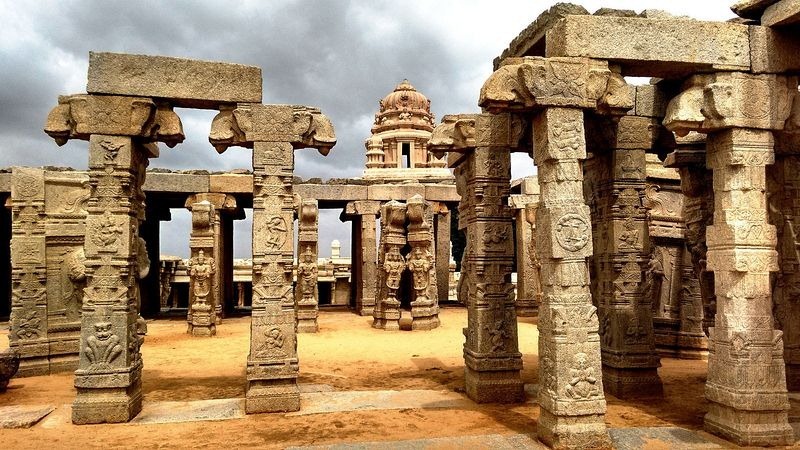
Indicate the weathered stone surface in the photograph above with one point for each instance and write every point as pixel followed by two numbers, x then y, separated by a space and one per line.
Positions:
pixel 751 9
pixel 177 182
pixel 660 48
pixel 22 416
pixel 183 82
pixel 782 13
pixel 774 50
pixel 9 364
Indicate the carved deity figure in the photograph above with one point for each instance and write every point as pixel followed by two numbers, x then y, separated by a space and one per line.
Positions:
pixel 419 263
pixel 583 383
pixel 630 237
pixel 393 265
pixel 201 269
pixel 103 347
pixel 654 277
pixel 307 275
pixel 276 232
pixel 497 335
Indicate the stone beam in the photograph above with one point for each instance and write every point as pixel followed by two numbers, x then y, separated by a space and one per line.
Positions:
pixel 774 50
pixel 751 9
pixel 183 82
pixel 178 183
pixel 665 48
pixel 783 13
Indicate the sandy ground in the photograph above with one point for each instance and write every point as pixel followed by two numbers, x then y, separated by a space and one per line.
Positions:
pixel 346 354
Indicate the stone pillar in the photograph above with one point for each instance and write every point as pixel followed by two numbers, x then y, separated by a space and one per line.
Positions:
pixel 364 254
pixel 491 352
pixel 120 131
pixel 442 245
pixel 28 334
pixel 306 295
pixel 746 384
pixel 391 266
pixel 529 283
pixel 150 232
pixel 208 263
pixel 421 264
pixel 479 149
pixel 616 181
pixel 274 131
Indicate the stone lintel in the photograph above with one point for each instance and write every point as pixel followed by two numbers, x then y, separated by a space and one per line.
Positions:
pixel 230 183
pixel 333 193
pixel 782 13
pixel 177 182
pixel 664 48
pixel 774 50
pixel 183 82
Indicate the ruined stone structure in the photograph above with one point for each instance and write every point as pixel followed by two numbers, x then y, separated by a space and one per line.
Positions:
pixel 122 123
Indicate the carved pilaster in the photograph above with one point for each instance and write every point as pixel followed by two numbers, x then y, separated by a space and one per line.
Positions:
pixel 306 295
pixel 421 264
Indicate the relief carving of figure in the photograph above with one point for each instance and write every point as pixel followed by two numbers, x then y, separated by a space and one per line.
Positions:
pixel 654 278
pixel 103 347
pixel 307 275
pixel 497 335
pixel 201 269
pixel 419 263
pixel 276 232
pixel 73 278
pixel 630 237
pixel 583 383
pixel 393 265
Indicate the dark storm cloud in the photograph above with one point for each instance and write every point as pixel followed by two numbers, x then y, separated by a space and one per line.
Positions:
pixel 341 56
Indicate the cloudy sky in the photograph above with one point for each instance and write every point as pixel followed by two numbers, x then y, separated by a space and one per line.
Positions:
pixel 341 56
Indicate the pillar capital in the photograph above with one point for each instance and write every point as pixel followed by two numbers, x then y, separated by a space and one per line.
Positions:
pixel 712 102
pixel 362 208
pixel 218 201
pixel 527 83
pixel 302 126
pixel 79 116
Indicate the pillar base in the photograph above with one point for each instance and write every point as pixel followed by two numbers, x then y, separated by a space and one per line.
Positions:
pixel 628 383
pixel 387 324
pixel 307 326
pixel 264 396
pixel 502 386
pixel 202 330
pixel 749 428
pixel 573 432
pixel 107 405
pixel 425 323
pixel 33 367
pixel 365 310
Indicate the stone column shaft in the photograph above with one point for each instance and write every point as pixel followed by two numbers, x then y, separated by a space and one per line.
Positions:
pixel 571 386
pixel 442 238
pixel 272 365
pixel 746 384
pixel 491 350
pixel 621 256
pixel 108 379
pixel 422 265
pixel 364 255
pixel 392 264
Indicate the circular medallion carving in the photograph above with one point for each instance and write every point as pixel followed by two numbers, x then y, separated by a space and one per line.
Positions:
pixel 572 232
pixel 27 186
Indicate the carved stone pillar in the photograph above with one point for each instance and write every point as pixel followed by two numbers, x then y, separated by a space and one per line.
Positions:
pixel 274 131
pixel 529 283
pixel 207 265
pixel 616 181
pixel 746 384
pixel 391 266
pixel 108 379
pixel 480 152
pixel 150 232
pixel 442 246
pixel 306 295
pixel 364 255
pixel 556 91
pixel 421 264
pixel 29 272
